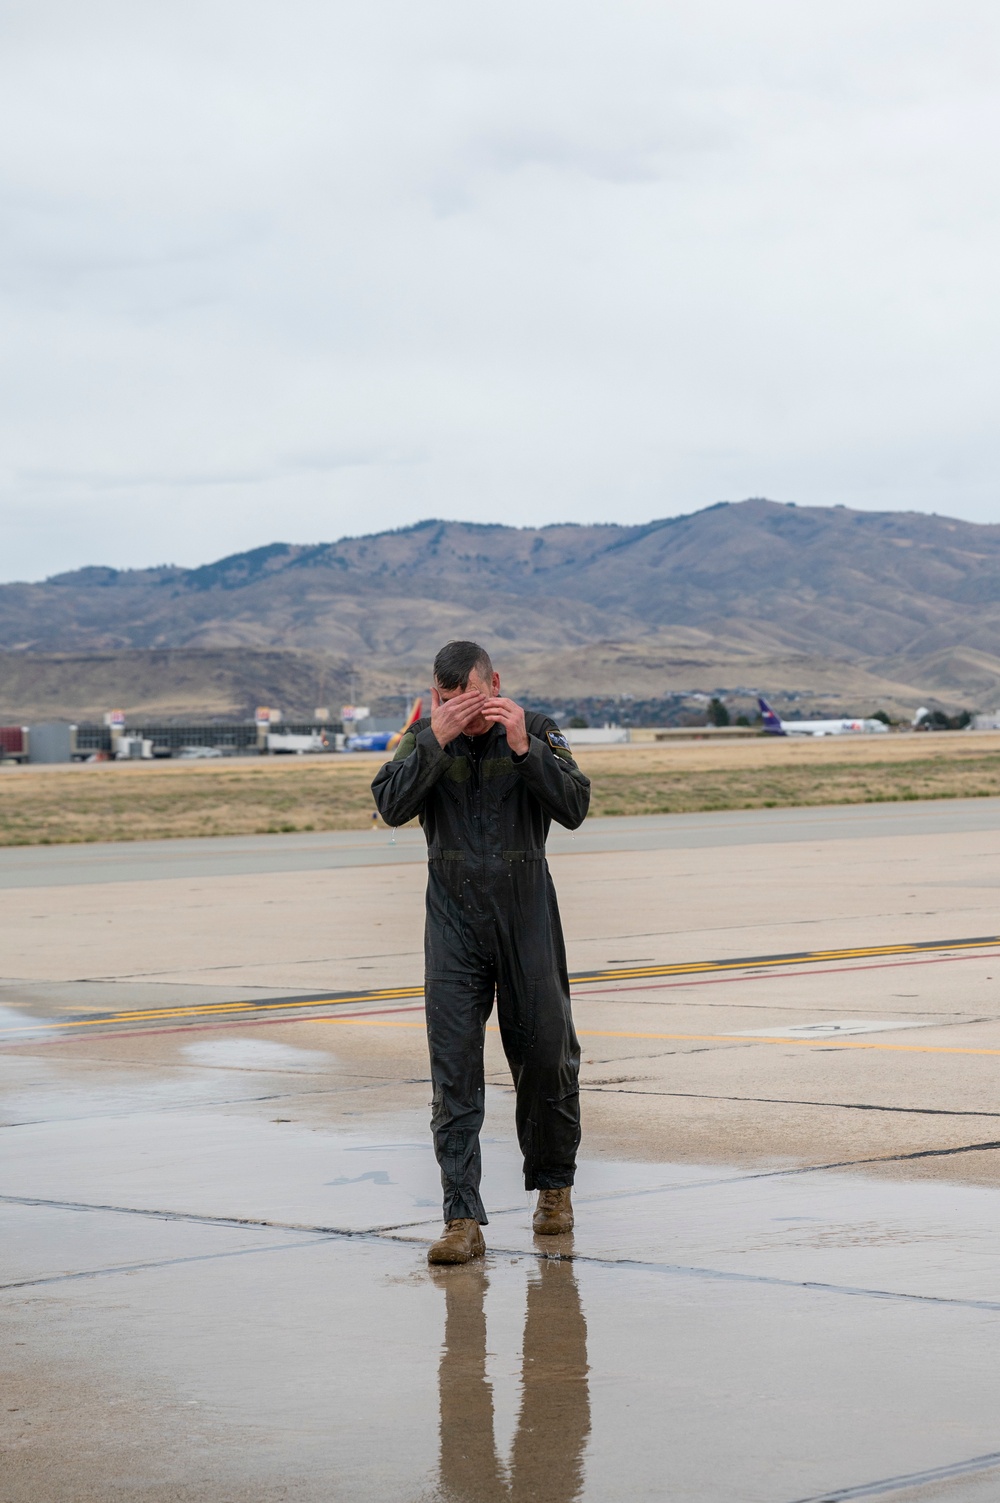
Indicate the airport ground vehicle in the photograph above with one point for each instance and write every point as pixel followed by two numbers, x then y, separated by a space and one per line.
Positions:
pixel 284 743
pixel 14 743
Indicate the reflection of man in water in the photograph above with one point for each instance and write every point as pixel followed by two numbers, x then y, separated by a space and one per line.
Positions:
pixel 486 780
pixel 554 1418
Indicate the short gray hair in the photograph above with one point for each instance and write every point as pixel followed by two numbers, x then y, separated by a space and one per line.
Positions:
pixel 457 660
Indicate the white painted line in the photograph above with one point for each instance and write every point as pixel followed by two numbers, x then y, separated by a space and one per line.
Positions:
pixel 835 1028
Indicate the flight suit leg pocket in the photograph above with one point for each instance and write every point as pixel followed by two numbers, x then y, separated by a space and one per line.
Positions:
pixel 517 1014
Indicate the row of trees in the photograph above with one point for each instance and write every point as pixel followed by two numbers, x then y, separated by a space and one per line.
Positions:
pixel 581 715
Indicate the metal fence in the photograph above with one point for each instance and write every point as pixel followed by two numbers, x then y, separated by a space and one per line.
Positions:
pixel 234 736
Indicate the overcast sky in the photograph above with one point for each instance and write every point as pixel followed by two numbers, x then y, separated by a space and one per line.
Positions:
pixel 294 270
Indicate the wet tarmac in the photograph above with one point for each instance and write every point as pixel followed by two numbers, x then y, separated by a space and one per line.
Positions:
pixel 783 1287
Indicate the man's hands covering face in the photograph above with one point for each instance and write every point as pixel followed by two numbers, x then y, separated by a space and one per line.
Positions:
pixel 449 717
pixel 511 716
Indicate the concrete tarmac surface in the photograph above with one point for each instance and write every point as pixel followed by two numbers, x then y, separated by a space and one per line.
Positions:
pixel 217 1187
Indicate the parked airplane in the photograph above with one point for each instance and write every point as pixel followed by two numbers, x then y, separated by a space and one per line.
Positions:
pixel 384 740
pixel 775 726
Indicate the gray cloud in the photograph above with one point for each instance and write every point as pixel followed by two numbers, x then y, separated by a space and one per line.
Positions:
pixel 294 271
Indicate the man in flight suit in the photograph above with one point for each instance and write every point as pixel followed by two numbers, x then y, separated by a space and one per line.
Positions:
pixel 486 780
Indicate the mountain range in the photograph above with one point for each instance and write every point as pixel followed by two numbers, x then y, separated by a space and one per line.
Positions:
pixel 823 606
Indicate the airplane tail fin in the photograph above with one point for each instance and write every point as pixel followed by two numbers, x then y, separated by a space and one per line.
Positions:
pixel 770 721
pixel 411 719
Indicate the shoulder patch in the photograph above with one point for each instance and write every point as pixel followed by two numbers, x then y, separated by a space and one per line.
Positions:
pixel 557 740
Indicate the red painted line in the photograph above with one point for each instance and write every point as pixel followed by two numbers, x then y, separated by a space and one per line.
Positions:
pixel 833 970
pixel 250 1020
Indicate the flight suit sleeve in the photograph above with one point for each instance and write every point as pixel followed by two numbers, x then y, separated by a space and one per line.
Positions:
pixel 401 786
pixel 553 777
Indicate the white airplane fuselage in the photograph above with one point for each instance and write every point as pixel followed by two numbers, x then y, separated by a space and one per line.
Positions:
pixel 773 724
pixel 834 727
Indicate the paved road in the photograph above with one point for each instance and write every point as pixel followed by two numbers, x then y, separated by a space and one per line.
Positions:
pixel 783 1283
pixel 154 860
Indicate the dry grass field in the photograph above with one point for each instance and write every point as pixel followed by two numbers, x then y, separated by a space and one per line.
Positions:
pixel 765 774
pixel 105 801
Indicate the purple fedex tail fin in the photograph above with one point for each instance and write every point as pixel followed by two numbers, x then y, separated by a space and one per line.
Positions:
pixel 770 721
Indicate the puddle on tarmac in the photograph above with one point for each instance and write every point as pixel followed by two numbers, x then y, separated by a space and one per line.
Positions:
pixel 255 1054
pixel 509 1378
pixel 14 1023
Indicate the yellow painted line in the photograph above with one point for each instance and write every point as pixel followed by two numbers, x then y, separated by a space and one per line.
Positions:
pixel 394 994
pixel 702 1038
pixel 272 1005
pixel 741 1038
pixel 152 1015
pixel 811 957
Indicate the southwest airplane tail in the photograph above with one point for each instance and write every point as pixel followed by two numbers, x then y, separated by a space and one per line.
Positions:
pixel 384 740
pixel 411 719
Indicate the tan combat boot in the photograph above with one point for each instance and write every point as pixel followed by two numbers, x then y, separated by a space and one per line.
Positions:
pixel 554 1212
pixel 460 1241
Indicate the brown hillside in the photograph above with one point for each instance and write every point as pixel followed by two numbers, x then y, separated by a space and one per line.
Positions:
pixel 843 608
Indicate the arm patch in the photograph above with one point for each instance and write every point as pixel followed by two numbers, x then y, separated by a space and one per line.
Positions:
pixel 557 740
pixel 409 740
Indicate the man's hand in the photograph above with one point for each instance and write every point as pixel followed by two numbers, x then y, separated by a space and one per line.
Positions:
pixel 510 715
pixel 449 717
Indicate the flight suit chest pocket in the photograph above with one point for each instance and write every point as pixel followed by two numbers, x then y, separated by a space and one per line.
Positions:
pixel 455 783
pixel 499 777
